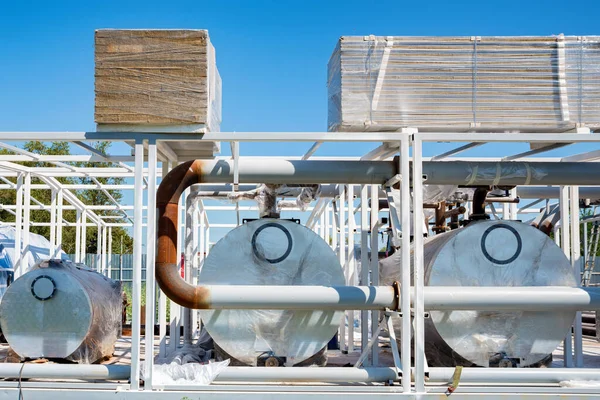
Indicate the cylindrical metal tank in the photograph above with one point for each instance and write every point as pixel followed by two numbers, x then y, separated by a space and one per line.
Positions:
pixel 63 310
pixel 491 253
pixel 271 252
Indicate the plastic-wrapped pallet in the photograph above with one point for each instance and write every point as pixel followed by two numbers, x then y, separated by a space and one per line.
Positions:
pixel 164 78
pixel 464 83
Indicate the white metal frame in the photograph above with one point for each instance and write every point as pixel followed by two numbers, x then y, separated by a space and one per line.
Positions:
pixel 331 225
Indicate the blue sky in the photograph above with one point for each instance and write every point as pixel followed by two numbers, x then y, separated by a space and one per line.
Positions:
pixel 272 55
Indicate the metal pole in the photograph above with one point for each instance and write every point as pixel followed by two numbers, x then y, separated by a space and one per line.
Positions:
pixel 374 269
pixel 26 219
pixel 162 299
pixel 566 246
pixel 110 239
pixel 364 263
pixel 351 273
pixel 575 262
pixel 150 255
pixel 443 298
pixel 343 261
pixel 513 375
pixel 104 252
pixel 99 248
pixel 53 223
pixel 190 255
pixel 64 371
pixel 368 172
pixel 419 312
pixel 19 227
pixel 136 285
pixel 83 246
pixel 59 220
pixel 78 238
pixel 299 374
pixel 405 249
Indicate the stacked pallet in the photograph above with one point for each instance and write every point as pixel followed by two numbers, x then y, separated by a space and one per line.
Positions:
pixel 545 84
pixel 162 80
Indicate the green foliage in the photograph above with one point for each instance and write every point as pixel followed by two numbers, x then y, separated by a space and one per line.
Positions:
pixel 89 197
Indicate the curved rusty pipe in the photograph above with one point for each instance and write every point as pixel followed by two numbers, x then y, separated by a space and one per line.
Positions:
pixel 167 259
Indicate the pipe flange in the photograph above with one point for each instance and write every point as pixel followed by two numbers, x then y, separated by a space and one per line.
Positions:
pixel 43 287
pixel 396 286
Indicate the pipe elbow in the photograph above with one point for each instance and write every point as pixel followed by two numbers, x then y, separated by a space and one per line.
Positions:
pixel 167 269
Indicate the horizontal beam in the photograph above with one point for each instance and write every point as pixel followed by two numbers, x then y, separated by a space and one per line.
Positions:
pixel 299 136
pixel 513 375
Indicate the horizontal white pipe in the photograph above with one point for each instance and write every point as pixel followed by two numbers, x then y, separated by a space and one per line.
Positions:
pixel 64 371
pixel 537 298
pixel 300 374
pixel 514 375
pixel 300 297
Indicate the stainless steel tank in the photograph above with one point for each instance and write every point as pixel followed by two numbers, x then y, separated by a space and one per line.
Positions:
pixel 63 310
pixel 492 253
pixel 271 252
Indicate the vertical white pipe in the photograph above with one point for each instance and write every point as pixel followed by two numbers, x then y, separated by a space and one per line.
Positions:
pixel 513 206
pixel 59 220
pixel 136 285
pixel 99 248
pixel 505 211
pixel 52 223
pixel 150 256
pixel 78 238
pixel 419 336
pixel 109 249
pixel 322 223
pixel 585 254
pixel 575 262
pixel 351 281
pixel 364 263
pixel 327 224
pixel 19 227
pixel 334 232
pixel 26 220
pixel 343 261
pixel 176 310
pixel 162 299
pixel 405 271
pixel 374 269
pixel 566 246
pixel 104 252
pixel 83 246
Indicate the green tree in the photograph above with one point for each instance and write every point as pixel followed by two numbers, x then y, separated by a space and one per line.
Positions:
pixel 89 197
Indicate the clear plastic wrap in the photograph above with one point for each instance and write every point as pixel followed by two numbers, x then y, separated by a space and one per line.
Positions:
pixel 157 77
pixel 271 252
pixel 439 83
pixel 62 310
pixel 185 374
pixel 266 197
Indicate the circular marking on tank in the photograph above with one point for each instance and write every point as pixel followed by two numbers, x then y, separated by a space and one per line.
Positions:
pixel 259 252
pixel 43 287
pixel 495 260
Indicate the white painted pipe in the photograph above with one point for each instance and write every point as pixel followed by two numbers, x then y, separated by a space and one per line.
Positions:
pixel 64 371
pixel 536 298
pixel 514 375
pixel 300 374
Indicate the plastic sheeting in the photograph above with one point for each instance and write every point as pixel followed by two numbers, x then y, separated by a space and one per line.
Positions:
pixel 157 77
pixel 266 197
pixel 38 250
pixel 190 373
pixel 64 310
pixel 271 252
pixel 438 83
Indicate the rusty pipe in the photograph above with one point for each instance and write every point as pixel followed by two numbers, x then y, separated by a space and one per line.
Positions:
pixel 167 260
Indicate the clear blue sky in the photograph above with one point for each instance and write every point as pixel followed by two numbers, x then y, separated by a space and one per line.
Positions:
pixel 272 55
